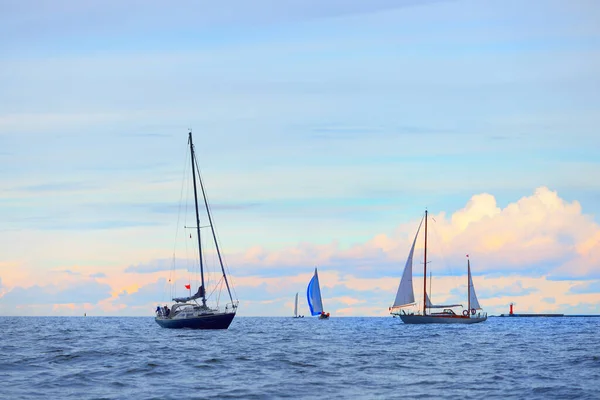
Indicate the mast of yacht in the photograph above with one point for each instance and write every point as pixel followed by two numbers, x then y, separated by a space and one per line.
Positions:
pixel 469 286
pixel 425 270
pixel 197 218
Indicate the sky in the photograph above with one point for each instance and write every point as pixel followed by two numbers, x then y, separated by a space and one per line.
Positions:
pixel 323 130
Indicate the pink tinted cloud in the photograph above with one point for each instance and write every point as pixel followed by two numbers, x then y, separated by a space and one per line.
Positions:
pixel 515 250
pixel 540 234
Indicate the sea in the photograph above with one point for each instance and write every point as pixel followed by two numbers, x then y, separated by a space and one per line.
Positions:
pixel 304 358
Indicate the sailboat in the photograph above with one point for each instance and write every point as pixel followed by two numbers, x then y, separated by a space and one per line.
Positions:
pixel 296 308
pixel 313 294
pixel 193 311
pixel 405 297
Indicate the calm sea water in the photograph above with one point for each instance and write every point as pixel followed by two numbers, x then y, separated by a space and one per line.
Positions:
pixel 133 358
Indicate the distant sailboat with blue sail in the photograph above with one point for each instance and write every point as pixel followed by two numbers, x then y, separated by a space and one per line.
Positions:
pixel 313 295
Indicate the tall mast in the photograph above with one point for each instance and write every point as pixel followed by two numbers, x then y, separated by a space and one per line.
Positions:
pixel 469 284
pixel 425 270
pixel 197 219
pixel 212 228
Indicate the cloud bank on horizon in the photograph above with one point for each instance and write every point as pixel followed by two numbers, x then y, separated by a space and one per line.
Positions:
pixel 540 252
pixel 323 129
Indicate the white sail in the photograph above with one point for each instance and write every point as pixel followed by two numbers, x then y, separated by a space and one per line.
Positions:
pixel 296 306
pixel 472 296
pixel 313 294
pixel 405 295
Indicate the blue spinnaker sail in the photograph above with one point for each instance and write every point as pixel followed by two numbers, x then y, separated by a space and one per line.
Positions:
pixel 313 294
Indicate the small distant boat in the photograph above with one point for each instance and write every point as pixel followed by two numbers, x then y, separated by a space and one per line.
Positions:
pixel 187 312
pixel 313 294
pixel 405 296
pixel 296 308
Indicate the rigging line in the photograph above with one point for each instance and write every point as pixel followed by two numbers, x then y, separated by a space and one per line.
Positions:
pixel 212 229
pixel 215 287
pixel 219 292
pixel 182 204
pixel 230 277
pixel 207 280
pixel 185 201
pixel 194 162
pixel 194 258
pixel 223 262
pixel 177 230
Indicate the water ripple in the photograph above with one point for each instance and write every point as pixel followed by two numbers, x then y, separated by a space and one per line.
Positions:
pixel 258 358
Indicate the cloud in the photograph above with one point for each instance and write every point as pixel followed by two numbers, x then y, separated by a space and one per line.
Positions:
pixel 587 287
pixel 77 293
pixel 516 253
pixel 68 272
pixel 513 290
pixel 538 235
pixel 148 294
pixel 152 17
pixel 163 264
pixel 98 225
pixel 56 187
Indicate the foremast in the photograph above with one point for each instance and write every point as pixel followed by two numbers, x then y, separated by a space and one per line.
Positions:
pixel 468 285
pixel 425 270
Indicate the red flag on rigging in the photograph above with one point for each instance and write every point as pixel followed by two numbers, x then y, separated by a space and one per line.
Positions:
pixel 187 286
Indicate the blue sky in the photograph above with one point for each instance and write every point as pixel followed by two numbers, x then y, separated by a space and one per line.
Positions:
pixel 315 123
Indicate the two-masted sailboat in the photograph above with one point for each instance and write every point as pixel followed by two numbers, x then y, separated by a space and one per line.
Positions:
pixel 405 297
pixel 194 311
pixel 313 295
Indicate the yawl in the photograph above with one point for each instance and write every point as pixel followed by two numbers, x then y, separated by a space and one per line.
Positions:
pixel 405 297
pixel 187 312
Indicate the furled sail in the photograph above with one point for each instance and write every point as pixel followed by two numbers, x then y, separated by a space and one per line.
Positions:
pixel 405 295
pixel 430 305
pixel 198 294
pixel 313 294
pixel 472 296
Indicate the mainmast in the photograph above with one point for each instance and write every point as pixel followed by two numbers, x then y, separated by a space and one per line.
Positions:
pixel 425 270
pixel 197 219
